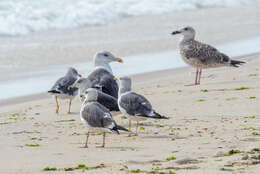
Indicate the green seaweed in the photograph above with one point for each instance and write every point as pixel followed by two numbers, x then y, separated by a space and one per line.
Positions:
pixel 242 88
pixel 251 116
pixel 50 169
pixel 32 145
pixel 232 152
pixel 170 158
pixel 255 133
pixel 201 100
pixel 204 90
pixel 60 121
pixel 2 123
pixel 135 171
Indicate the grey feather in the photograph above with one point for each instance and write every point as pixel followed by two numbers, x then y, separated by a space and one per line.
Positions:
pixel 98 116
pixel 103 79
pixel 108 101
pixel 135 104
pixel 62 84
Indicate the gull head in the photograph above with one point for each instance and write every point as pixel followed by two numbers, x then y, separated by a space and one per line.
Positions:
pixel 91 94
pixel 82 83
pixel 107 57
pixel 125 83
pixel 73 72
pixel 187 32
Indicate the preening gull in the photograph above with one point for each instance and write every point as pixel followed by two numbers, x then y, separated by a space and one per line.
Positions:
pixel 102 77
pixel 97 117
pixel 82 84
pixel 134 105
pixel 108 101
pixel 200 55
pixel 60 88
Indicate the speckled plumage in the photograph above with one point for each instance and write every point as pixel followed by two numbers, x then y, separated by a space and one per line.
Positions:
pixel 200 55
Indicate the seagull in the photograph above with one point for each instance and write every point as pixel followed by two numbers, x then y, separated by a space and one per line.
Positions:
pixel 134 106
pixel 60 88
pixel 83 84
pixel 102 76
pixel 200 55
pixel 97 117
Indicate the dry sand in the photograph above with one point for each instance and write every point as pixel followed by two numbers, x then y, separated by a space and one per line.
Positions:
pixel 207 122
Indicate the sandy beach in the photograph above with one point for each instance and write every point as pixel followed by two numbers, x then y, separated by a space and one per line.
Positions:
pixel 207 123
pixel 213 128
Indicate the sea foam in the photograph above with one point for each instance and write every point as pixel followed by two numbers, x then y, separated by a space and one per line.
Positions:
pixel 19 17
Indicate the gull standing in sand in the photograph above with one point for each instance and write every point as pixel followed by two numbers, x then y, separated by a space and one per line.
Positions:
pixel 97 117
pixel 200 55
pixel 102 77
pixel 134 105
pixel 61 88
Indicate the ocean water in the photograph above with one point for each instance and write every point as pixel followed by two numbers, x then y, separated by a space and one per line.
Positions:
pixel 34 82
pixel 20 17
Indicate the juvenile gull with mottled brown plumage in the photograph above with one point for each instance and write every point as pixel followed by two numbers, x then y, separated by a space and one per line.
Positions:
pixel 200 55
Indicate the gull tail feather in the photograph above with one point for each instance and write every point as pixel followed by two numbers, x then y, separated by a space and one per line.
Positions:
pixel 54 91
pixel 236 63
pixel 117 127
pixel 159 116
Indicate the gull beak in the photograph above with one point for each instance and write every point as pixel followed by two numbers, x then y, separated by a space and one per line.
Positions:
pixel 79 75
pixel 176 32
pixel 115 78
pixel 119 60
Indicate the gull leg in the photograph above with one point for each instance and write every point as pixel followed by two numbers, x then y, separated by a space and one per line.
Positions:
pixel 129 128
pixel 196 78
pixel 57 104
pixel 200 72
pixel 104 136
pixel 86 145
pixel 137 124
pixel 69 106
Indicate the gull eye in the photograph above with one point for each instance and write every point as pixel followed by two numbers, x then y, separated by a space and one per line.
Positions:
pixel 106 55
pixel 186 29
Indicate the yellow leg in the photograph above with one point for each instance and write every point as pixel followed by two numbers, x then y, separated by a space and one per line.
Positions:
pixel 86 145
pixel 104 137
pixel 69 106
pixel 129 128
pixel 57 104
pixel 137 124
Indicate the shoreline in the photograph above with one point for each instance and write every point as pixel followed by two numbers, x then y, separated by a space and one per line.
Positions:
pixel 123 38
